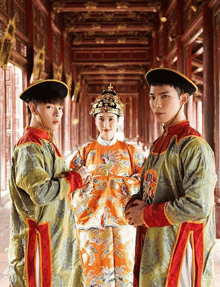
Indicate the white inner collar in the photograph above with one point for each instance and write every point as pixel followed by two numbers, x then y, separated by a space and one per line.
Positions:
pixel 105 142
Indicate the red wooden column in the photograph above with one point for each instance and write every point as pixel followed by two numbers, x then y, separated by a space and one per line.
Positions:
pixel 156 49
pixel 30 32
pixel 208 95
pixel 2 133
pixel 127 117
pixel 142 128
pixel 66 127
pixel 165 45
pixel 216 34
pixel 189 106
pixel 88 117
pixel 66 115
pixel 72 138
pixel 141 131
pixel 49 44
pixel 179 33
pixel 134 117
pixel 93 126
pixel 13 137
pixel 84 115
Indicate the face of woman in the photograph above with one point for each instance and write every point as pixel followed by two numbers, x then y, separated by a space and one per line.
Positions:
pixel 107 124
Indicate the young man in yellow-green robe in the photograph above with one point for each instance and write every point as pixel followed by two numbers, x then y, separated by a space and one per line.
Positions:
pixel 43 249
pixel 174 210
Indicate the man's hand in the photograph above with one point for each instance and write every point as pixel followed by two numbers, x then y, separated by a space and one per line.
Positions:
pixel 83 171
pixel 130 202
pixel 134 212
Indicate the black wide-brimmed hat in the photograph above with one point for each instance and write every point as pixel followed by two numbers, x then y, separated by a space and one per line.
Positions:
pixel 45 90
pixel 168 76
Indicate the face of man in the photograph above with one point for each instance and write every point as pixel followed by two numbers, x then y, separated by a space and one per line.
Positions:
pixel 107 124
pixel 50 114
pixel 165 104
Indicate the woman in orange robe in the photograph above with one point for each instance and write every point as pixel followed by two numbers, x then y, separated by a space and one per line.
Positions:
pixel 106 241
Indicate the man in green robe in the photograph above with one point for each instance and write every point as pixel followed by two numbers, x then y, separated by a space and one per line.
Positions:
pixel 43 249
pixel 174 210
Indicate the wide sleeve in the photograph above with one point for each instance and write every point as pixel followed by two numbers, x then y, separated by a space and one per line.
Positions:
pixel 102 202
pixel 79 157
pixel 199 178
pixel 137 161
pixel 31 175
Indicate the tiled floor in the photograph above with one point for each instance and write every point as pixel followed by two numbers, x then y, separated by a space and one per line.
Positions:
pixel 4 241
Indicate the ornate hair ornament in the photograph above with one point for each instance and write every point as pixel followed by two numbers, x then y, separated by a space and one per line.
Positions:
pixel 107 102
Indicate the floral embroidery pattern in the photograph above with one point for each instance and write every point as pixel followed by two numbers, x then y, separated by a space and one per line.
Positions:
pixel 106 242
pixel 149 185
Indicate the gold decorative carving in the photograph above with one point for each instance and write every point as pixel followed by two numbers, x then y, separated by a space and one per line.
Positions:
pixel 75 97
pixel 121 70
pixel 53 15
pixel 65 34
pixel 38 65
pixel 59 72
pixel 69 83
pixel 57 5
pixel 109 16
pixel 122 26
pixel 77 41
pixel 6 43
pixel 90 33
pixel 122 5
pixel 146 40
pixel 122 41
pixel 99 40
pixel 91 5
pixel 153 34
pixel 96 26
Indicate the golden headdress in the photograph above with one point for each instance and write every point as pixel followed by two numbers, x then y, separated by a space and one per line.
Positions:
pixel 107 102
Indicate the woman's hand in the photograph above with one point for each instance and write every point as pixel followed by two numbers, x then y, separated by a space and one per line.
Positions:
pixel 83 171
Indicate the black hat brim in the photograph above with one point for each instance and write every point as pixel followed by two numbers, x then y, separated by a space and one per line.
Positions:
pixel 168 76
pixel 45 89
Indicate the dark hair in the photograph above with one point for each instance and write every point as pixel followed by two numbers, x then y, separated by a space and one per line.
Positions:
pixel 56 99
pixel 178 89
pixel 112 113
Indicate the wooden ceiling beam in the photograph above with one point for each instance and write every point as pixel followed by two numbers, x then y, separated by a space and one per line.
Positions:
pixel 111 64
pixel 128 94
pixel 130 48
pixel 112 77
pixel 66 6
pixel 198 70
pixel 123 71
pixel 113 82
pixel 198 52
pixel 197 63
pixel 109 28
pixel 103 41
pixel 197 79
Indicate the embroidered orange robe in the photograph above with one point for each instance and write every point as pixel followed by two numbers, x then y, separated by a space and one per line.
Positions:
pixel 106 241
